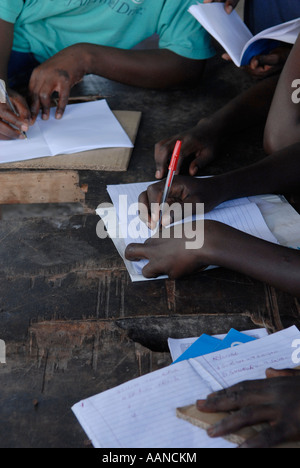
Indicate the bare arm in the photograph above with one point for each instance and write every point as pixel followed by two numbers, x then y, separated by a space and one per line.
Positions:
pixel 246 110
pixel 144 68
pixel 283 124
pixel 10 124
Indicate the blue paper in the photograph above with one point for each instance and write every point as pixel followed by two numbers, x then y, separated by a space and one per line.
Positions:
pixel 204 345
pixel 208 344
pixel 234 338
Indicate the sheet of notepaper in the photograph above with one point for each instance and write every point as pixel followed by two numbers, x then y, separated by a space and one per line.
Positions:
pixel 84 126
pixel 241 214
pixel 142 413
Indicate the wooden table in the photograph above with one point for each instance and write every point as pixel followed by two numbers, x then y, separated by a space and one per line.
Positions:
pixel 72 321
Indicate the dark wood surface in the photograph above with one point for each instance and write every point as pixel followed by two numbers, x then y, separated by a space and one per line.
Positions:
pixel 73 322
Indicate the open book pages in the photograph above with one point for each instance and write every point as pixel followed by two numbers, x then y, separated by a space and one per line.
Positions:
pixel 84 126
pixel 234 36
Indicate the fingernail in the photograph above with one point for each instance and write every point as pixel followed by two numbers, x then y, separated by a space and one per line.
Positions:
pixel 229 9
pixel 58 116
pixel 212 431
pixel 45 117
pixel 158 174
pixel 24 128
pixel 200 403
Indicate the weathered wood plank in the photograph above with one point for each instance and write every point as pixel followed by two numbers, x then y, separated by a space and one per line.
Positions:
pixel 26 187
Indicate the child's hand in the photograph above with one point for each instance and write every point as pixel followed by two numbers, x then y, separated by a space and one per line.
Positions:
pixel 11 125
pixel 184 195
pixel 274 400
pixel 59 73
pixel 266 65
pixel 200 142
pixel 169 253
pixel 229 4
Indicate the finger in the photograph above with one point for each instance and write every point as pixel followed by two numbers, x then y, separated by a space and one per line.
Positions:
pixel 152 271
pixel 144 209
pixel 152 201
pixel 273 373
pixel 136 252
pixel 62 103
pixel 271 59
pixel 200 162
pixel 162 153
pixel 7 115
pixel 226 57
pixel 246 417
pixel 236 397
pixel 22 109
pixel 7 132
pixel 269 437
pixel 45 101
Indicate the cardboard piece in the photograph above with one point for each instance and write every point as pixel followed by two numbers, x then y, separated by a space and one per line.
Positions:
pixel 110 159
pixel 204 420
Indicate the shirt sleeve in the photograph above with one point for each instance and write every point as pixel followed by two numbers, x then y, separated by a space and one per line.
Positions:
pixel 10 10
pixel 180 32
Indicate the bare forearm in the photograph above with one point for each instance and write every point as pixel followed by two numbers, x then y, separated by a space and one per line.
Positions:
pixel 270 263
pixel 283 124
pixel 246 110
pixel 6 41
pixel 278 173
pixel 146 68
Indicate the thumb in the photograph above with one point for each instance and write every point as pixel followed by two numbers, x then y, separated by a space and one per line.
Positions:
pixel 271 59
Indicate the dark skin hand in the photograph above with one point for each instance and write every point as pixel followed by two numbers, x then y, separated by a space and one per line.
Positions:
pixel 11 125
pixel 178 252
pixel 62 71
pixel 278 173
pixel 260 66
pixel 202 142
pixel 275 401
pixel 184 190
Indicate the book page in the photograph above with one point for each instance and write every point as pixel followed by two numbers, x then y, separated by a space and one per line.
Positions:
pixel 84 126
pixel 229 30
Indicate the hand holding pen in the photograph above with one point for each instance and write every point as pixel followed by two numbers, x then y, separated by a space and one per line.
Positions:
pixel 15 115
pixel 169 180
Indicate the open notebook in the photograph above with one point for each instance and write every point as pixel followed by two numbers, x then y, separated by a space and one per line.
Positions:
pixel 84 126
pixel 142 413
pixel 234 36
pixel 245 214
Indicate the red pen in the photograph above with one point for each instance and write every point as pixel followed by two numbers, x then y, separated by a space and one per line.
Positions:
pixel 169 180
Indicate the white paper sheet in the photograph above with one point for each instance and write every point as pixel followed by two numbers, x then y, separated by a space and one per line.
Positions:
pixel 241 214
pixel 142 412
pixel 84 126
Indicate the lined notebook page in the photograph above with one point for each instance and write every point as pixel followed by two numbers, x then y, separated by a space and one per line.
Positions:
pixel 142 412
pixel 241 214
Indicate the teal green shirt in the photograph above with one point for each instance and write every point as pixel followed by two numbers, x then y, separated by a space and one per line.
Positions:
pixel 44 27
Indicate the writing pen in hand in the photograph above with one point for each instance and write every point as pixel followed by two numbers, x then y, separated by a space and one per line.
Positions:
pixel 8 101
pixel 169 180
